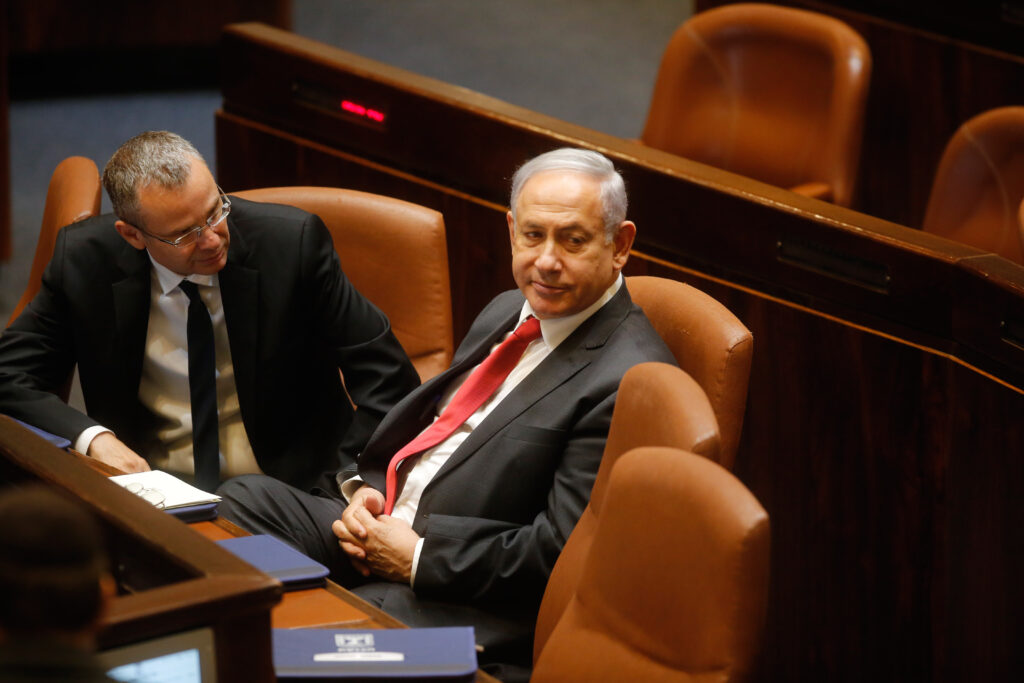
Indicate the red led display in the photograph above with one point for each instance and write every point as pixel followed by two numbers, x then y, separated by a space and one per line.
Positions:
pixel 360 110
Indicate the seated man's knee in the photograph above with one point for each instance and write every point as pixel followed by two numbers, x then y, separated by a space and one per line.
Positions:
pixel 243 494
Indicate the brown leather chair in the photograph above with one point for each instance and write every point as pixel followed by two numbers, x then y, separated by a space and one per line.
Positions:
pixel 979 184
pixel 74 194
pixel 769 92
pixel 1020 219
pixel 395 253
pixel 709 343
pixel 657 405
pixel 675 585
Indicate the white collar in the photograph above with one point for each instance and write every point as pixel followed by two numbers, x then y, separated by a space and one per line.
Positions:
pixel 556 330
pixel 169 280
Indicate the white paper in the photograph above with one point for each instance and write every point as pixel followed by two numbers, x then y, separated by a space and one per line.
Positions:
pixel 176 493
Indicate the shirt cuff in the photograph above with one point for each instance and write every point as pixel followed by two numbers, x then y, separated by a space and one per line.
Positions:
pixel 84 439
pixel 349 487
pixel 415 562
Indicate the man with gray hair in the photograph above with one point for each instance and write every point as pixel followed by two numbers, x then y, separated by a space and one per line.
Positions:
pixel 464 496
pixel 208 332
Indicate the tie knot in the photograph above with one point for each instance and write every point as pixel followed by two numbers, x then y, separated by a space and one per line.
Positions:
pixel 528 330
pixel 191 290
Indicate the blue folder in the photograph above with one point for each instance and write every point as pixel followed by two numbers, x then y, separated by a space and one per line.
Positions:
pixel 195 513
pixel 435 655
pixel 58 441
pixel 280 560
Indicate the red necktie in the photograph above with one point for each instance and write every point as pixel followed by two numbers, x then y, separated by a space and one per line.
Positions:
pixel 477 388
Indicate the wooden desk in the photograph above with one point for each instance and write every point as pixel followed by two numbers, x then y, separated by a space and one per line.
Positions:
pixel 244 653
pixel 329 607
pixel 883 431
pixel 171 578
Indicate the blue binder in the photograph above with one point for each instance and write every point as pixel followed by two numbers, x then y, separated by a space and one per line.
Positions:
pixel 435 655
pixel 58 441
pixel 280 560
pixel 195 513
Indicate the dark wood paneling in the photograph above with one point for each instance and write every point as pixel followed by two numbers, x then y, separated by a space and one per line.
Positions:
pixel 890 474
pixel 45 26
pixel 882 432
pixel 73 47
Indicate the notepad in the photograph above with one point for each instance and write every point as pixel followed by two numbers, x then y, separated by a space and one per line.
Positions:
pixel 164 490
pixel 432 655
pixel 278 559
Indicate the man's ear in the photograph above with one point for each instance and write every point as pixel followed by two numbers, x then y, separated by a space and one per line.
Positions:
pixel 130 234
pixel 511 227
pixel 623 242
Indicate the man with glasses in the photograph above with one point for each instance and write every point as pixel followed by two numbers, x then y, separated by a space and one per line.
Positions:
pixel 259 285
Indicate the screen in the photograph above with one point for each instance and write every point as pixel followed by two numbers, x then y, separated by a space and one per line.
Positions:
pixel 186 657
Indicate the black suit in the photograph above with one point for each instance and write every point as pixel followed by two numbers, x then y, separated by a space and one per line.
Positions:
pixel 496 515
pixel 292 317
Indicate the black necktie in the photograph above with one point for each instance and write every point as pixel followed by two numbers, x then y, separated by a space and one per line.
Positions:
pixel 202 386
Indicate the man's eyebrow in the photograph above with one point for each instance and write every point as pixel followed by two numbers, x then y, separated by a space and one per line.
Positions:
pixel 212 208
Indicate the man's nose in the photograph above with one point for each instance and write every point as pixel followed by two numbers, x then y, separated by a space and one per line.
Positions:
pixel 548 258
pixel 208 239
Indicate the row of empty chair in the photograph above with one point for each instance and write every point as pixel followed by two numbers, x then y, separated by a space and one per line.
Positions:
pixel 768 92
pixel 681 428
pixel 778 94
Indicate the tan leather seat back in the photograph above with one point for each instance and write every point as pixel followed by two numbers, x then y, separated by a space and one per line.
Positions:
pixel 657 405
pixel 709 343
pixel 979 184
pixel 74 194
pixel 395 253
pixel 769 92
pixel 675 585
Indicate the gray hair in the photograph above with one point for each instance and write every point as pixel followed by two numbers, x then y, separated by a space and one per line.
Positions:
pixel 156 156
pixel 587 162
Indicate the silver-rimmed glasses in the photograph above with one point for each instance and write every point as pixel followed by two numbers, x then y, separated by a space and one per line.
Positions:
pixel 191 235
pixel 154 496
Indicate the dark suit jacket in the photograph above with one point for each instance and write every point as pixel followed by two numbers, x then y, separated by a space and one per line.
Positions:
pixel 293 320
pixel 495 517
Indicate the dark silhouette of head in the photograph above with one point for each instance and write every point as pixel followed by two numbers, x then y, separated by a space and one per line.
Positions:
pixel 53 567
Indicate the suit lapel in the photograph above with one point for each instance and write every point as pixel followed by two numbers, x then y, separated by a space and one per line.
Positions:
pixel 131 296
pixel 240 293
pixel 417 410
pixel 569 358
pixel 470 353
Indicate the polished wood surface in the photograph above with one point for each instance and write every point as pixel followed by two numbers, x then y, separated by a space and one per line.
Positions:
pixel 329 607
pixel 882 431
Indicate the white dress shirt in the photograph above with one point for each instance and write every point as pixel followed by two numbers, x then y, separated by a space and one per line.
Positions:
pixel 163 387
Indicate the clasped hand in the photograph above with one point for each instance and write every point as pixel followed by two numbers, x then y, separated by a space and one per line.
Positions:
pixel 375 543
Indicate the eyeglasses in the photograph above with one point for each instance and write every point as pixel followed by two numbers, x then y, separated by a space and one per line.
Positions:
pixel 192 234
pixel 154 496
